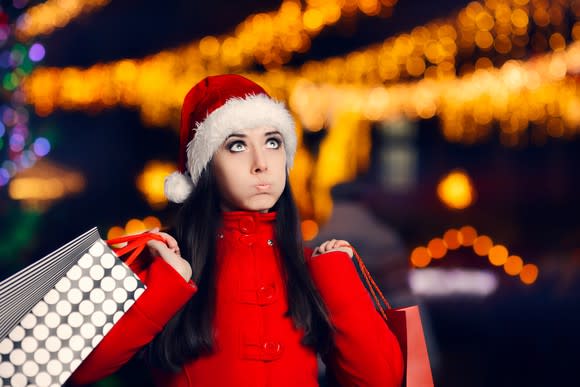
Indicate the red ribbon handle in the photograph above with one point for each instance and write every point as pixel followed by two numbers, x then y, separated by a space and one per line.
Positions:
pixel 372 286
pixel 135 244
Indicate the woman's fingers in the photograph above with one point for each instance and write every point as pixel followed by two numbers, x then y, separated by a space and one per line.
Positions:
pixel 170 241
pixel 333 245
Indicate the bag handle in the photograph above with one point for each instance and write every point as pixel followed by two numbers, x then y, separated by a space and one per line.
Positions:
pixel 135 244
pixel 372 286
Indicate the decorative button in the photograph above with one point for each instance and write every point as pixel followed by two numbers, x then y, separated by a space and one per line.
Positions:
pixel 262 350
pixel 272 348
pixel 248 240
pixel 266 294
pixel 270 242
pixel 247 225
pixel 221 236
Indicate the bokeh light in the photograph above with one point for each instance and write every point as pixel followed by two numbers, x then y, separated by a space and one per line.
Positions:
pixel 529 273
pixel 513 265
pixel 309 229
pixel 438 248
pixel 498 255
pixel 37 52
pixel 456 190
pixel 482 244
pixel 420 257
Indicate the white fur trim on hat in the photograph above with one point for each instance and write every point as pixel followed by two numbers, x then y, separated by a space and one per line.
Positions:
pixel 237 114
pixel 177 187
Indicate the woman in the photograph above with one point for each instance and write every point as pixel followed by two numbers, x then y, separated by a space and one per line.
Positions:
pixel 242 303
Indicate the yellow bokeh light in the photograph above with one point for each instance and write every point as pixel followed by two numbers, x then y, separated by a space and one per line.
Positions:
pixel 455 190
pixel 151 182
pixel 557 42
pixel 44 18
pixel 134 226
pixel 209 46
pixel 498 255
pixel 520 18
pixel 313 20
pixel 483 39
pixel 529 273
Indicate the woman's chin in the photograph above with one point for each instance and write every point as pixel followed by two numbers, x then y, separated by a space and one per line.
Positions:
pixel 260 204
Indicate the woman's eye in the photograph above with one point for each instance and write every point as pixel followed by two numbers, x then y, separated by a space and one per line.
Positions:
pixel 273 143
pixel 237 146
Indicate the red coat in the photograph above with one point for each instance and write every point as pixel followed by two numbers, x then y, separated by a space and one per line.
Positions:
pixel 256 345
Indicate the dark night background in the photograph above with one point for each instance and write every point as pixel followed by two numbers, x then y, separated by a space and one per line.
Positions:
pixel 527 196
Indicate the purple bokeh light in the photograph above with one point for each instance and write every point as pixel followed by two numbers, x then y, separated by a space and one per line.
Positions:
pixel 4 176
pixel 17 142
pixel 41 146
pixel 37 52
pixel 19 4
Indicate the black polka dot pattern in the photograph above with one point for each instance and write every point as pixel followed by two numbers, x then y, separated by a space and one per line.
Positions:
pixel 61 330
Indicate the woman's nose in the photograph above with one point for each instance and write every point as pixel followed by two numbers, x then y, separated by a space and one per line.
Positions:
pixel 259 163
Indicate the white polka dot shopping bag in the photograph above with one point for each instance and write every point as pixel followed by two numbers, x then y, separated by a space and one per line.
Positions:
pixel 55 311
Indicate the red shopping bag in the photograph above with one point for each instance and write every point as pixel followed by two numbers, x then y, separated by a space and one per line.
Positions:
pixel 405 323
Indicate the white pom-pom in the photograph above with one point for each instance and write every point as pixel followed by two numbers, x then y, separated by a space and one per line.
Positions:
pixel 177 187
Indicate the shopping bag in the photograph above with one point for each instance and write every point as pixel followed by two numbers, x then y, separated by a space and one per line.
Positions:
pixel 405 323
pixel 54 312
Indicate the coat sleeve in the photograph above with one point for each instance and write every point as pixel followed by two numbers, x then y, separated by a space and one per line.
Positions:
pixel 366 352
pixel 167 292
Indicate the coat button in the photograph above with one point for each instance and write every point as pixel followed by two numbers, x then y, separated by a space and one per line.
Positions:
pixel 266 293
pixel 272 348
pixel 248 240
pixel 247 225
pixel 270 242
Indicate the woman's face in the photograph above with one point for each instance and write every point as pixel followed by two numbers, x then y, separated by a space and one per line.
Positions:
pixel 250 169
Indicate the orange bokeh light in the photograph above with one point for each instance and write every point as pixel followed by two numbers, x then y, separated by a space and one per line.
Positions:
pixel 453 239
pixel 482 245
pixel 115 232
pixel 437 248
pixel 529 273
pixel 134 226
pixel 498 255
pixel 309 229
pixel 420 257
pixel 151 222
pixel 513 265
pixel 468 235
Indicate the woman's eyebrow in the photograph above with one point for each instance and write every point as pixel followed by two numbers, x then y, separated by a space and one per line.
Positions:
pixel 274 132
pixel 236 135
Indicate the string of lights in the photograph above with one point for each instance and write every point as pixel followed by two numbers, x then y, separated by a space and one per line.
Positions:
pixel 44 18
pixel 20 145
pixel 482 245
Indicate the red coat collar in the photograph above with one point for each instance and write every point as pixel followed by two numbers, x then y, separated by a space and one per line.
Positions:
pixel 249 222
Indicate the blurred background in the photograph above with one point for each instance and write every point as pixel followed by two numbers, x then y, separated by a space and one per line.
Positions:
pixel 439 138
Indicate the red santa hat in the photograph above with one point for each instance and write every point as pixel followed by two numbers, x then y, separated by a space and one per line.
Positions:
pixel 212 110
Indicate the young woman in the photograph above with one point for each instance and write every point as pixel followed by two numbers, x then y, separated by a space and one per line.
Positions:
pixel 234 299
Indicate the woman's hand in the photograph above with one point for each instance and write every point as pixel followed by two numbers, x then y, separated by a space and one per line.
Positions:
pixel 169 251
pixel 333 245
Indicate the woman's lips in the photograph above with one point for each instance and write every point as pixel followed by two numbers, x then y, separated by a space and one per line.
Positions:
pixel 262 187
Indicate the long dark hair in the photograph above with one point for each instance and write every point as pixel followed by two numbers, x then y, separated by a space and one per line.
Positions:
pixel 189 334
